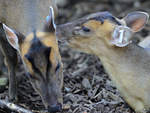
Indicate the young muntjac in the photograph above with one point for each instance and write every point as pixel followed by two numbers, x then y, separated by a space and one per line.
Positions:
pixel 110 38
pixel 40 55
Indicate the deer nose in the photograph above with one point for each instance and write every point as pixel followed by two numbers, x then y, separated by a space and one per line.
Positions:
pixel 55 108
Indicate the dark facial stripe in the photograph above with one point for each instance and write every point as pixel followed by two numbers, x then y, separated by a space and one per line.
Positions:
pixel 37 70
pixel 36 48
pixel 31 60
pixel 35 44
pixel 102 17
pixel 47 53
pixel 57 67
pixel 107 16
pixel 113 19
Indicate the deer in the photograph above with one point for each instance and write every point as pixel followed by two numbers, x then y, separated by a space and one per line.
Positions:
pixel 41 59
pixel 111 39
pixel 14 13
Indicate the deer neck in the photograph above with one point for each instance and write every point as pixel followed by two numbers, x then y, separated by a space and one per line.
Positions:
pixel 128 63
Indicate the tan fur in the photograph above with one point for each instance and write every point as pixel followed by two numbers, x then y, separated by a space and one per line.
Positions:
pixel 49 40
pixel 107 26
pixel 128 67
pixel 104 30
pixel 40 56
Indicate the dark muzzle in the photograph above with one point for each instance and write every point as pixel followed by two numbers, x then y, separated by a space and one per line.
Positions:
pixel 55 108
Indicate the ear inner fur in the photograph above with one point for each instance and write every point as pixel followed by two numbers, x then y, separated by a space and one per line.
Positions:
pixel 11 37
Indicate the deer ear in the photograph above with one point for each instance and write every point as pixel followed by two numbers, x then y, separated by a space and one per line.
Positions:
pixel 136 20
pixel 50 21
pixel 11 37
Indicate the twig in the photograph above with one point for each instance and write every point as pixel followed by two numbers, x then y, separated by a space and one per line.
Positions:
pixel 75 73
pixel 13 107
pixel 104 102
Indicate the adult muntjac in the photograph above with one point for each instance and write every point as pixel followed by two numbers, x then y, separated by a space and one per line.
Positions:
pixel 40 55
pixel 15 14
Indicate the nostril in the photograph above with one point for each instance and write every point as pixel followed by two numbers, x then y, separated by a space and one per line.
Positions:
pixel 55 108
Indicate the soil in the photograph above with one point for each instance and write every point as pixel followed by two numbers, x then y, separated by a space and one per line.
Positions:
pixel 87 87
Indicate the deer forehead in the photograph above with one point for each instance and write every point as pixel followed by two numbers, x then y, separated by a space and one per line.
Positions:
pixel 47 39
pixel 107 25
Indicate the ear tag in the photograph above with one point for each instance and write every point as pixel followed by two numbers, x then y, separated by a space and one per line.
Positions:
pixel 121 36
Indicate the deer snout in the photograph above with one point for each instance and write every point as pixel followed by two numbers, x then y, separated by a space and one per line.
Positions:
pixel 55 108
pixel 64 32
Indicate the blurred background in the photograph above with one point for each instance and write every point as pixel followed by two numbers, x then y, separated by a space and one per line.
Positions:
pixel 87 87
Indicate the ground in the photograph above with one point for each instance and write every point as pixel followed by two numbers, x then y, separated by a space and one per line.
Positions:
pixel 87 87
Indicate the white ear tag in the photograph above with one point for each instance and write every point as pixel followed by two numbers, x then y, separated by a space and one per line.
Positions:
pixel 121 36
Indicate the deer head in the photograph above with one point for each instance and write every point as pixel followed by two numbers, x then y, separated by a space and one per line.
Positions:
pixel 101 27
pixel 40 54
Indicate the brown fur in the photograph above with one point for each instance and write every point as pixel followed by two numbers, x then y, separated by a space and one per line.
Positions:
pixel 39 53
pixel 128 67
pixel 49 40
pixel 12 14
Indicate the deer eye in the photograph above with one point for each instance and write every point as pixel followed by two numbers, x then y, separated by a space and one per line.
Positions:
pixel 85 29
